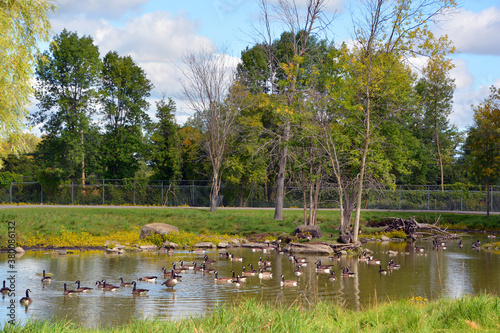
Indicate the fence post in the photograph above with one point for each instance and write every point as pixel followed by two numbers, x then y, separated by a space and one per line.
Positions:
pixel 461 199
pixel 251 197
pixel 192 193
pixel 161 203
pixel 72 190
pixel 134 192
pixel 103 192
pixel 428 197
pixel 10 192
pixel 41 195
pixel 491 199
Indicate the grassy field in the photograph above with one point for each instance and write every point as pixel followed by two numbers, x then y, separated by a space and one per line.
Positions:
pixel 467 314
pixel 70 226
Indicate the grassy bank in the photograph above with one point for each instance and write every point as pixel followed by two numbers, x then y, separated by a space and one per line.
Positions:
pixel 470 313
pixel 77 226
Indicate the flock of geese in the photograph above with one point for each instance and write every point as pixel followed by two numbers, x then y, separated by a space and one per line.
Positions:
pixel 264 271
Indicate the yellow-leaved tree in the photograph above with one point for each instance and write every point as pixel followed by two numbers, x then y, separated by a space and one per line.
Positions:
pixel 23 24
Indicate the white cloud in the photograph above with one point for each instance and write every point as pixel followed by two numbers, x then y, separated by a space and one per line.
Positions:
pixel 330 5
pixel 463 77
pixel 475 33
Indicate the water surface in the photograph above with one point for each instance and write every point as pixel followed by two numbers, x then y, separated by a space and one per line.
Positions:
pixel 452 273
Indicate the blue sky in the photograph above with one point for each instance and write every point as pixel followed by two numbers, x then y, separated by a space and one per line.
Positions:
pixel 157 33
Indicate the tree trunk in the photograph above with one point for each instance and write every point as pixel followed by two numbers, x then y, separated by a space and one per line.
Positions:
pixel 214 193
pixel 280 190
pixel 439 154
pixel 488 197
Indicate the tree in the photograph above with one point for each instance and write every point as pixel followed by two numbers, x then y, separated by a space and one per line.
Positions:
pixel 387 32
pixel 483 142
pixel 210 90
pixel 124 90
pixel 286 57
pixel 165 143
pixel 436 92
pixel 67 89
pixel 23 24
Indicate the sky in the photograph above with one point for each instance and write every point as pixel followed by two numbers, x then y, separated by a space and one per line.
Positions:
pixel 156 34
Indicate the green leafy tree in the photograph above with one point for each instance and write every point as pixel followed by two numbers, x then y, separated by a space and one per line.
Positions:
pixel 435 89
pixel 23 24
pixel 68 76
pixel 166 143
pixel 124 90
pixel 483 142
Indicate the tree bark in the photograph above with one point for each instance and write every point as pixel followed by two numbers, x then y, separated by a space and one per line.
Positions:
pixel 280 189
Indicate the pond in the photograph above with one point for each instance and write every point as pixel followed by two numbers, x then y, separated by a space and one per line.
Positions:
pixel 434 273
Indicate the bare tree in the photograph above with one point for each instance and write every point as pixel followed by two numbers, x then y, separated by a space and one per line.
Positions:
pixel 210 89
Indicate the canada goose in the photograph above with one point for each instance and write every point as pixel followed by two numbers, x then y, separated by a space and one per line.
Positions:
pixel 336 258
pixel 70 292
pixel 253 271
pixel 322 268
pixel 301 264
pixel 264 262
pixel 200 251
pixel 300 259
pixel 177 270
pixel 99 284
pixel 392 265
pixel 419 249
pixel 287 283
pixel 373 261
pixel 27 299
pixel 223 279
pixel 256 249
pixel 148 278
pixel 225 255
pixel 186 267
pixel 346 272
pixel 332 277
pixel 200 268
pixel 297 272
pixel 5 290
pixel 136 291
pixel 265 275
pixel 108 287
pixel 318 264
pixel 245 273
pixel 460 245
pixel 492 236
pixel 476 245
pixel 172 282
pixel 208 261
pixel 46 279
pixel 362 258
pixel 267 249
pixel 82 289
pixel 382 271
pixel 237 281
pixel 233 258
pixel 125 284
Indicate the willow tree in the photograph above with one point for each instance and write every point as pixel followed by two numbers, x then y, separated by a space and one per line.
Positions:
pixel 210 90
pixel 23 24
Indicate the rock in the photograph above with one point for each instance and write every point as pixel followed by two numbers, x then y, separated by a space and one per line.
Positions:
pixel 204 245
pixel 148 247
pixel 61 252
pixel 308 248
pixel 392 253
pixel 223 245
pixel 159 228
pixel 19 250
pixel 397 240
pixel 385 238
pixel 343 252
pixel 168 244
pixel 312 230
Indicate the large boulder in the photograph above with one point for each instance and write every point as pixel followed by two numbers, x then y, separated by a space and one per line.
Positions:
pixel 310 248
pixel 159 228
pixel 312 230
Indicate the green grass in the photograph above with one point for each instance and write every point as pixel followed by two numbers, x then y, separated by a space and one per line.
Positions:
pixel 469 313
pixel 242 222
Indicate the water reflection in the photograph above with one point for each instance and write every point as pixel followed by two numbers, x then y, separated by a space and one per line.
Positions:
pixel 452 272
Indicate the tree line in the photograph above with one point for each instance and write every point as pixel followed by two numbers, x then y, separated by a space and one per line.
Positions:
pixel 297 110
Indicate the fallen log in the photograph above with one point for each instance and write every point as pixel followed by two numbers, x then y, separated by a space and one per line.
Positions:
pixel 414 229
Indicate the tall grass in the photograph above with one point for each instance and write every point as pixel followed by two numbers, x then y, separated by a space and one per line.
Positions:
pixel 469 313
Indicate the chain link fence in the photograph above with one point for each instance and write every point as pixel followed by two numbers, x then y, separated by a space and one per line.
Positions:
pixel 197 194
